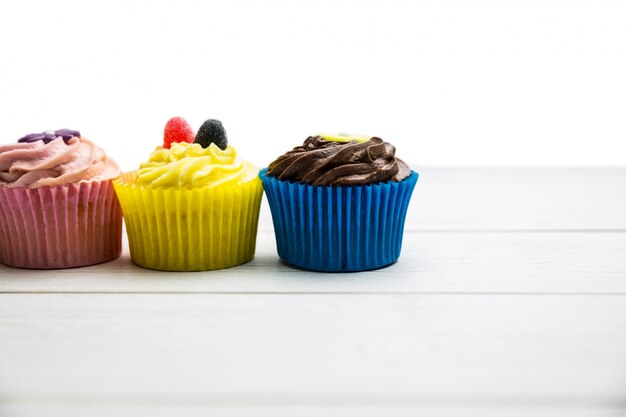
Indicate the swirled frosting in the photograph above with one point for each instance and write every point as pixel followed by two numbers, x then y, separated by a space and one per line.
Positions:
pixel 59 162
pixel 326 162
pixel 191 165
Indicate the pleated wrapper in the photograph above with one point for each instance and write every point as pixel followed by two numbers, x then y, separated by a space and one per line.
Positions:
pixel 338 228
pixel 190 229
pixel 63 226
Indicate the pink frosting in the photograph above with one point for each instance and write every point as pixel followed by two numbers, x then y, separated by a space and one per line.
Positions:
pixel 35 165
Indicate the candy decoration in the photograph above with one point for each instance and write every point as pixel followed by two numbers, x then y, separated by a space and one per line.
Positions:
pixel 210 132
pixel 177 130
pixel 344 137
pixel 67 134
pixel 50 135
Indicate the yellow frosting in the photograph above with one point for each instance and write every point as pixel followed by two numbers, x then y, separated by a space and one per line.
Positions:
pixel 342 137
pixel 191 165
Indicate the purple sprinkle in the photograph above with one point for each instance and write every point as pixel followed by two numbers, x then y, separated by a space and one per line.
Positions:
pixel 50 135
pixel 33 137
pixel 67 134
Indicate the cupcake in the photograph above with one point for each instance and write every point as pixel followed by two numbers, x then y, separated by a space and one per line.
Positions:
pixel 339 203
pixel 194 205
pixel 58 208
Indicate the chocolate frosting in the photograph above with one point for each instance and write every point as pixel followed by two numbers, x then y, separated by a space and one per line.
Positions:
pixel 322 162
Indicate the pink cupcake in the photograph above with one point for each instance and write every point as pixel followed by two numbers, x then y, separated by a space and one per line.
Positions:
pixel 58 208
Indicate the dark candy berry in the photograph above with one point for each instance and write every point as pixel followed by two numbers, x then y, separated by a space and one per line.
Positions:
pixel 177 130
pixel 210 132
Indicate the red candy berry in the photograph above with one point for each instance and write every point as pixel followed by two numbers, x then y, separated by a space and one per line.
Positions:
pixel 177 130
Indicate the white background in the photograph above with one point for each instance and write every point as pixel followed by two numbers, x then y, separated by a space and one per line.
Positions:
pixel 449 83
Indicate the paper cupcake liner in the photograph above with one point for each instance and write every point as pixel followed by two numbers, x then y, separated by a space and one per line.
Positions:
pixel 335 229
pixel 63 226
pixel 194 229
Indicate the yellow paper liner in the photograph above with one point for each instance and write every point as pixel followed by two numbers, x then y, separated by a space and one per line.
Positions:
pixel 190 229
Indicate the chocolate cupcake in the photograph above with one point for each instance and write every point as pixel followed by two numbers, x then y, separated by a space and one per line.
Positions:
pixel 338 203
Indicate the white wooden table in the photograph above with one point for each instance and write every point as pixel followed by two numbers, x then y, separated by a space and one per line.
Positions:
pixel 509 299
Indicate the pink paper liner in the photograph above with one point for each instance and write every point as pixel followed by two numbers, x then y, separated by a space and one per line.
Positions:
pixel 60 227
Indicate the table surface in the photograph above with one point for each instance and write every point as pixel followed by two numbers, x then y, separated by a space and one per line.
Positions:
pixel 509 299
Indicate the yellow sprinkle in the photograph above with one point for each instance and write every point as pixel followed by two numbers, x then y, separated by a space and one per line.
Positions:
pixel 344 137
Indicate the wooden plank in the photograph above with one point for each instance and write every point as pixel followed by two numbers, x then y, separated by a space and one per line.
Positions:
pixel 519 198
pixel 150 409
pixel 432 262
pixel 428 350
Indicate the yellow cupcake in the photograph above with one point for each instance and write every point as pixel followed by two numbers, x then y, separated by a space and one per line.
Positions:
pixel 191 208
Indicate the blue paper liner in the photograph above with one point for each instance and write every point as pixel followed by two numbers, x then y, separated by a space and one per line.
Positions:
pixel 338 229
